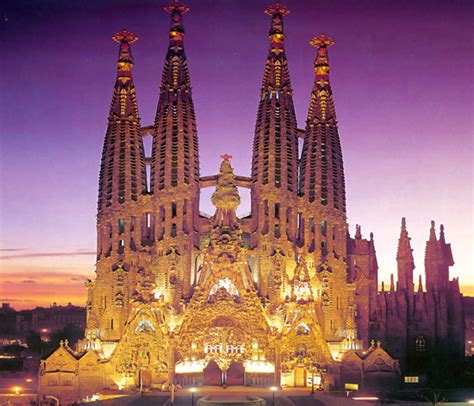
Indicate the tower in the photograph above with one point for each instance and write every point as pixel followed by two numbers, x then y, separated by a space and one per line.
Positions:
pixel 122 182
pixel 322 228
pixel 438 259
pixel 274 160
pixel 405 263
pixel 174 170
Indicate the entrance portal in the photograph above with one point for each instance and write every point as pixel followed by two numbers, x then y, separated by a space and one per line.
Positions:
pixel 212 374
pixel 235 374
pixel 300 377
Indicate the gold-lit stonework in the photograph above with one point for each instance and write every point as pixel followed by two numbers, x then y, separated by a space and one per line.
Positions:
pixel 280 296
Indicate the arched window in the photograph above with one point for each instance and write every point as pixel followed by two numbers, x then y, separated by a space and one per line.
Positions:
pixel 420 344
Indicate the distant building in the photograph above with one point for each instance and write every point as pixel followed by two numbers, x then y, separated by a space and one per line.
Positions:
pixel 282 296
pixel 469 320
pixel 47 320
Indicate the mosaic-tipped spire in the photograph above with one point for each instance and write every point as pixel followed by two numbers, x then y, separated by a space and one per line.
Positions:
pixel 322 170
pixel 175 153
pixel 405 262
pixel 275 149
pixel 122 173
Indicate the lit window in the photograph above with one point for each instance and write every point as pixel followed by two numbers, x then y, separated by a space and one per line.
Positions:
pixel 420 344
pixel 412 379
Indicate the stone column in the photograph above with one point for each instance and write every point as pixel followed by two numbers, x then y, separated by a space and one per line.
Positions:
pixel 277 373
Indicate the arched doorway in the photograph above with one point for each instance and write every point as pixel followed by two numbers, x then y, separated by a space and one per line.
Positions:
pixel 235 374
pixel 212 374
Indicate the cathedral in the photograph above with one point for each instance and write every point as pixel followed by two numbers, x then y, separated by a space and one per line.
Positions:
pixel 282 296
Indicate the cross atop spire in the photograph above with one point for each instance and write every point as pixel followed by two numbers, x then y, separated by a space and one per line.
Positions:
pixel 321 63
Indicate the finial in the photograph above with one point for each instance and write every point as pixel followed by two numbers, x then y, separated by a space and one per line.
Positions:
pixel 372 343
pixel 404 223
pixel 176 6
pixel 125 60
pixel 383 287
pixel 432 231
pixel 392 283
pixel 277 9
pixel 321 63
pixel 321 40
pixel 441 233
pixel 276 35
pixel 125 36
pixel 371 236
pixel 379 343
pixel 226 157
pixel 358 234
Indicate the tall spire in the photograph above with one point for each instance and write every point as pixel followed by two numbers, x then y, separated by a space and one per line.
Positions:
pixel 122 172
pixel 275 149
pixel 405 262
pixel 175 155
pixel 322 171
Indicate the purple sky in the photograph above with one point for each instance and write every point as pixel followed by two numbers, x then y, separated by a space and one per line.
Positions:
pixel 401 75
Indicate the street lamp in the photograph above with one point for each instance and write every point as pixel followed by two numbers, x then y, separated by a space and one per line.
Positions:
pixel 193 391
pixel 16 390
pixel 273 389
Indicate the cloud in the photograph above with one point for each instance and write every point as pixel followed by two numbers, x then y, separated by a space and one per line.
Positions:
pixel 49 254
pixel 28 281
pixel 13 249
pixel 9 299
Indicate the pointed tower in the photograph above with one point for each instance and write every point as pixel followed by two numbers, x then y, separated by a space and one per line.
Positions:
pixel 275 152
pixel 322 189
pixel 122 184
pixel 175 161
pixel 438 259
pixel 405 262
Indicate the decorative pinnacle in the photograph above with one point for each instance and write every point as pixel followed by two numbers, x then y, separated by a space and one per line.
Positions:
pixel 125 60
pixel 276 9
pixel 125 36
pixel 177 6
pixel 321 63
pixel 226 157
pixel 404 223
pixel 321 41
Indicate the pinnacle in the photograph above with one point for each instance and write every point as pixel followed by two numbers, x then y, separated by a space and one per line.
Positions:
pixel 277 9
pixel 125 36
pixel 321 40
pixel 177 6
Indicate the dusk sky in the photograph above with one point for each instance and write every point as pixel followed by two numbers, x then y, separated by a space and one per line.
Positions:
pixel 402 76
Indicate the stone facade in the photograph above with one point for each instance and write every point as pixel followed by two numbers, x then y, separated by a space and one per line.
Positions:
pixel 282 296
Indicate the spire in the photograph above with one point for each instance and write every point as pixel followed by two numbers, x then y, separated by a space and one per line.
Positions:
pixel 175 155
pixel 405 262
pixel 358 234
pixel 420 284
pixel 275 149
pixel 432 231
pixel 122 172
pixel 441 234
pixel 226 197
pixel 392 283
pixel 322 171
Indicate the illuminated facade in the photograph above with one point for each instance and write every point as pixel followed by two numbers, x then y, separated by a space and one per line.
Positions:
pixel 280 296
